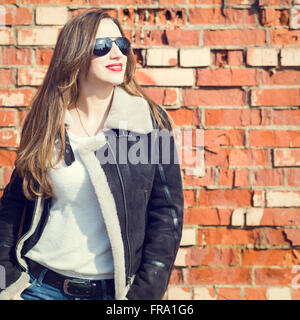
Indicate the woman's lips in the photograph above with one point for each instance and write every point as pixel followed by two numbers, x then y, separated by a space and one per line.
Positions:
pixel 116 67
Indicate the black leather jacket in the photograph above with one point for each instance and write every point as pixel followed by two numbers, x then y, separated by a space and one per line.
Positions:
pixel 148 202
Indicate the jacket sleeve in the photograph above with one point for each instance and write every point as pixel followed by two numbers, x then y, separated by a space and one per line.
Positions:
pixel 164 227
pixel 11 208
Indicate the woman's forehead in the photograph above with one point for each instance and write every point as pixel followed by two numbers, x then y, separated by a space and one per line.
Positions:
pixel 107 28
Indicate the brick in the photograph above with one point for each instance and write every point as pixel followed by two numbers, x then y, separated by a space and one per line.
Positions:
pixel 183 116
pixel 43 56
pixel 162 96
pixel 255 294
pixel 188 237
pixel 233 117
pixel 225 197
pixel 45 15
pixel 207 216
pixel 286 157
pixel 270 17
pixel 21 116
pixel 180 260
pixel 31 76
pixel 7 117
pixel 55 2
pixel 211 257
pixel 181 37
pixel 224 137
pixel 262 57
pixel 253 216
pixel 215 276
pixel 294 21
pixel 14 56
pixel 169 16
pixel 179 293
pixel 244 2
pixel 268 177
pixel 220 58
pixel 176 277
pixel 7 158
pixel 280 77
pixel 204 294
pixel 283 37
pixel 195 57
pixel 281 217
pixel 229 293
pixel 8 138
pixel 172 38
pixel 6 36
pixel 235 57
pixel 249 157
pixel 258 198
pixel 162 57
pixel 293 235
pixel 15 97
pixel 293 177
pixel 238 217
pixel 273 277
pixel 207 97
pixel 189 198
pixel 208 179
pixel 45 36
pixel 217 158
pixel 279 293
pixel 274 237
pixel 225 177
pixel 275 2
pixel 223 236
pixel 165 77
pixel 214 16
pixel 18 16
pixel 241 178
pixel 286 117
pixel 290 57
pixel 7 77
pixel 275 97
pixel 270 257
pixel 128 17
pixel 227 77
pixel 234 37
pixel 283 198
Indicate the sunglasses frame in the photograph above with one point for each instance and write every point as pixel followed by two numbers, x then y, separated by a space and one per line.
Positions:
pixel 110 42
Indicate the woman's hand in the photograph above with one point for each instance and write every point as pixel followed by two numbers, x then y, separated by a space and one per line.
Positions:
pixel 17 296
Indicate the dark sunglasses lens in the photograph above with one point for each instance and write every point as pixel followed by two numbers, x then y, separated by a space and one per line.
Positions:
pixel 102 46
pixel 124 45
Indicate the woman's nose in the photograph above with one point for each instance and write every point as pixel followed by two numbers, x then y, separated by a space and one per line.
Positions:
pixel 115 50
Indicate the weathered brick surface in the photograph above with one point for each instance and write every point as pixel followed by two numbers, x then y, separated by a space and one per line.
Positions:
pixel 233 73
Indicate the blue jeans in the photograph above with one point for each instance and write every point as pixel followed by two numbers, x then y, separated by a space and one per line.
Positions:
pixel 38 290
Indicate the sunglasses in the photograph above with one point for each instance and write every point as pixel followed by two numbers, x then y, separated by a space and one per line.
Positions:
pixel 104 45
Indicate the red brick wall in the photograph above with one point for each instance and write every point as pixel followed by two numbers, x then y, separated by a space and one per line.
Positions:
pixel 227 68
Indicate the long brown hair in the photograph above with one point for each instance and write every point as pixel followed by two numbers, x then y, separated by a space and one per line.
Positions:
pixel 45 121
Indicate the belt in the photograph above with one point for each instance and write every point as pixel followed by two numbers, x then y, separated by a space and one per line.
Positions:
pixel 71 286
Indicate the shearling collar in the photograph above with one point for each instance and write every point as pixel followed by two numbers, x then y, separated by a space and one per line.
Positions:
pixel 127 112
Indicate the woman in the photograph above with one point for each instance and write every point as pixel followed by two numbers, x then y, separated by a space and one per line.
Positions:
pixel 84 215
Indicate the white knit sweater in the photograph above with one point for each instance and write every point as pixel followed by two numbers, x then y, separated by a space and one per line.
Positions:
pixel 75 241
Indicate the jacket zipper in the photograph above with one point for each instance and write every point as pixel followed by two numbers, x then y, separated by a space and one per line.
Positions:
pixel 126 214
pixel 24 235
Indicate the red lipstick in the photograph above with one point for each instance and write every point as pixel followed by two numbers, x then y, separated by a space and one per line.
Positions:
pixel 115 67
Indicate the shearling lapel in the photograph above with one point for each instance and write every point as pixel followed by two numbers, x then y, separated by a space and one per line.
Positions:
pixel 127 112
